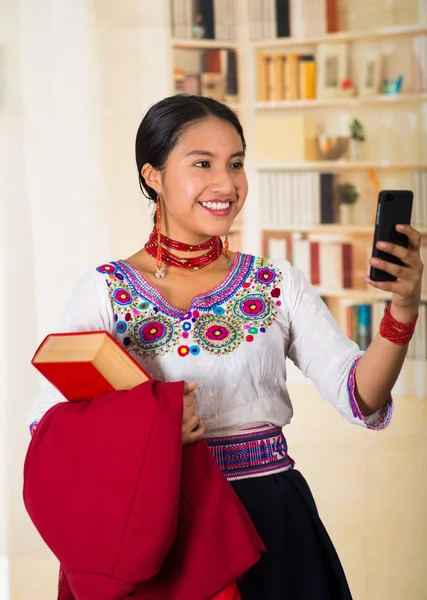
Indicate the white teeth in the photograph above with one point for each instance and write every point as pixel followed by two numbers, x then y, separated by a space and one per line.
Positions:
pixel 216 205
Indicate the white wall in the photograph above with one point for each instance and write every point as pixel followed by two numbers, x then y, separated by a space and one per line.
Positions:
pixel 78 78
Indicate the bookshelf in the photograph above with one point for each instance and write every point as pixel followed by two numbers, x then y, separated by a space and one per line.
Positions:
pixel 385 33
pixel 287 225
pixel 341 165
pixel 211 64
pixel 378 99
pixel 278 164
pixel 203 44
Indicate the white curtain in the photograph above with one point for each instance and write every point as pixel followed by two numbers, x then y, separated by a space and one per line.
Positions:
pixel 76 76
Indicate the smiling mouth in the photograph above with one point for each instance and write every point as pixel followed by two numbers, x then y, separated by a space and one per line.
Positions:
pixel 216 205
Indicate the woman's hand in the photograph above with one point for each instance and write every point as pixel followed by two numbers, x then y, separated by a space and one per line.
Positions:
pixel 193 428
pixel 407 289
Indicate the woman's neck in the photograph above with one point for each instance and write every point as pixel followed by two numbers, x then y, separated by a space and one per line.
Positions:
pixel 186 237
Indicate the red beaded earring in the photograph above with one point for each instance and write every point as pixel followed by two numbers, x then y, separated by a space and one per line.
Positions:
pixel 159 273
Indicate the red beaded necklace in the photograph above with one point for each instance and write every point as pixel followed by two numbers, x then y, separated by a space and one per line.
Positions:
pixel 157 248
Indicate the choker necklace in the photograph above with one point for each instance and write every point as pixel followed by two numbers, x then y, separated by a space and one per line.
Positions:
pixel 158 244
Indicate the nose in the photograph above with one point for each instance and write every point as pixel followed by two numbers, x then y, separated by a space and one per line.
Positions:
pixel 222 182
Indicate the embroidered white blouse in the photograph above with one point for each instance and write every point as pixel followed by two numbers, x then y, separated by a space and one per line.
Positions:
pixel 233 341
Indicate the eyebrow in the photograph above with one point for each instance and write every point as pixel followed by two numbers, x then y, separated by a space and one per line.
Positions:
pixel 239 154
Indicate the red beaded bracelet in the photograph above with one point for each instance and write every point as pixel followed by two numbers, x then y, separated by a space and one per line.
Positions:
pixel 395 332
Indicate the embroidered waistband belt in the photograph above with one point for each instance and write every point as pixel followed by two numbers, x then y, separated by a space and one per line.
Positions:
pixel 251 454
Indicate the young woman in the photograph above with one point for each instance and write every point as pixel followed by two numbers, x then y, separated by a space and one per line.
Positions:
pixel 188 309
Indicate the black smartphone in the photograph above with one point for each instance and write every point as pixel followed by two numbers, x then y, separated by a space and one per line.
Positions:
pixel 394 207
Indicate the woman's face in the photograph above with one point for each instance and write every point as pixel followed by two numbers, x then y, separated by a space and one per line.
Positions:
pixel 203 184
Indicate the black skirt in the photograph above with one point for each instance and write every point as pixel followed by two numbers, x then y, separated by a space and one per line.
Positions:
pixel 301 562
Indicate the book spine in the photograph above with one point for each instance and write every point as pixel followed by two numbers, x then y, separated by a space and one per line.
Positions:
pixel 347 265
pixel 355 323
pixel 291 77
pixel 263 89
pixel 188 19
pixel 296 18
pixel 206 7
pixel 232 86
pixel 315 263
pixel 327 198
pixel 306 77
pixel 283 18
pixel 332 14
pixel 364 319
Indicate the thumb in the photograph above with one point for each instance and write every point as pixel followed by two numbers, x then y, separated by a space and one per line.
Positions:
pixel 189 387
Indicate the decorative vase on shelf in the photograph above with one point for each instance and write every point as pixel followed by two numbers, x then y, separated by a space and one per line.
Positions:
pixel 357 137
pixel 346 214
pixel 347 196
pixel 355 148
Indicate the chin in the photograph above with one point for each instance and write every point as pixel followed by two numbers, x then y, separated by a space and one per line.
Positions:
pixel 214 229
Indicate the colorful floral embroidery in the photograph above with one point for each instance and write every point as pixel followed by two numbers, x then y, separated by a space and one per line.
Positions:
pixel 152 334
pixel 237 310
pixel 216 334
pixel 108 268
pixel 122 297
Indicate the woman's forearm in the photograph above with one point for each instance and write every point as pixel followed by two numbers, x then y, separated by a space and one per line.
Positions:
pixel 379 368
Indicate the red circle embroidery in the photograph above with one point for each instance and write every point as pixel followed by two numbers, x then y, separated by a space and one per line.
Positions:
pixel 249 338
pixel 275 293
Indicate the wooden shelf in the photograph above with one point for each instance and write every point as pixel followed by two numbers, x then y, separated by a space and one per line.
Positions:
pixel 203 44
pixel 364 295
pixel 327 228
pixel 340 165
pixel 379 100
pixel 344 36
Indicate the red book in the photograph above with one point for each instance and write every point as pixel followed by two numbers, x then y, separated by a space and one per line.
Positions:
pixel 332 24
pixel 86 364
pixel 347 265
pixel 315 263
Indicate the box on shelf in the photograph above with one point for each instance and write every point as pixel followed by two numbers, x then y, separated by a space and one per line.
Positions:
pixel 283 138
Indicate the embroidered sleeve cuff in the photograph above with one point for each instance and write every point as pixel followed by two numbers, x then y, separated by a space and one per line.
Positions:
pixel 33 427
pixel 381 418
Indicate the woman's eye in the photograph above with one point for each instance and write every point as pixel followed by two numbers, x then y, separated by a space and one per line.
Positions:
pixel 237 165
pixel 202 163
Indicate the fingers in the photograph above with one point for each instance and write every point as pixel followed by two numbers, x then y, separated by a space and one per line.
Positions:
pixel 413 235
pixel 399 271
pixel 197 434
pixel 405 254
pixel 189 387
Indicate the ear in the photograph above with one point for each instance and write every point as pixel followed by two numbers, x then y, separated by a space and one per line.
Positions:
pixel 152 177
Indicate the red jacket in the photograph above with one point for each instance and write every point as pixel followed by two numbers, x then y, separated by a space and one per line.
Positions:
pixel 128 510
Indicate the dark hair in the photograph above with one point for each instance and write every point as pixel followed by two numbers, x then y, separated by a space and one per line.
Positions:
pixel 165 122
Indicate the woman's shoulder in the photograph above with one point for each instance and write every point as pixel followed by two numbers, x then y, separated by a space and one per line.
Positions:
pixel 261 265
pixel 93 283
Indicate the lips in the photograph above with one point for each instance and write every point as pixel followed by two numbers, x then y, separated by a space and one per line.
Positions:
pixel 220 209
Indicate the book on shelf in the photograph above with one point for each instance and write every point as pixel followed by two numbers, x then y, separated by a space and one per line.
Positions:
pixel 298 198
pixel 419 62
pixel 330 262
pixel 419 187
pixel 203 19
pixel 86 364
pixel 286 76
pixel 211 72
pixel 270 19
